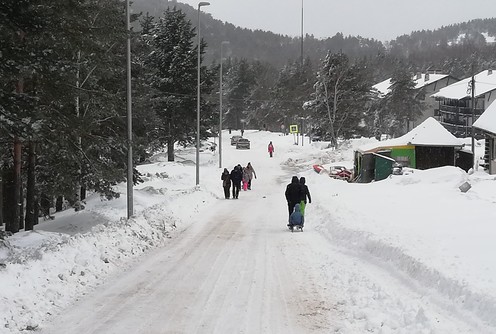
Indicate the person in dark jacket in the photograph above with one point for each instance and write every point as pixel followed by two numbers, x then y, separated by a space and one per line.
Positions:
pixel 226 182
pixel 305 193
pixel 293 194
pixel 236 177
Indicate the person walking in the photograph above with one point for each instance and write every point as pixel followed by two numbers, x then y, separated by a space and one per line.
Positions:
pixel 246 179
pixel 305 193
pixel 270 149
pixel 226 182
pixel 251 173
pixel 236 176
pixel 293 194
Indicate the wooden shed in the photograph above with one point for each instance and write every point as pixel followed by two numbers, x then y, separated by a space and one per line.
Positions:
pixel 426 146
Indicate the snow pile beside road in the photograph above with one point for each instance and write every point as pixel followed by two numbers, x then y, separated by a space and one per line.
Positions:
pixel 68 266
pixel 47 269
pixel 423 228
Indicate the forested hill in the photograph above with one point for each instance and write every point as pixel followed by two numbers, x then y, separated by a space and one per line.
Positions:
pixel 476 33
pixel 450 48
pixel 261 45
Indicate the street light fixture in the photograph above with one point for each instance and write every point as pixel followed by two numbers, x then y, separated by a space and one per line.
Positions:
pixel 201 4
pixel 220 105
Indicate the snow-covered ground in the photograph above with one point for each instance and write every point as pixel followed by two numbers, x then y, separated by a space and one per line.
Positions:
pixel 410 254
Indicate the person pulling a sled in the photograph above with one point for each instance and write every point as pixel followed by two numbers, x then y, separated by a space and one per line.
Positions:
pixel 296 219
pixel 293 194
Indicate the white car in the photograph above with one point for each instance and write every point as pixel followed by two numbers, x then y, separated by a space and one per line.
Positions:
pixel 243 143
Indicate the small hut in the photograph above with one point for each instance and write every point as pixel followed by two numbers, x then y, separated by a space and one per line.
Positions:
pixel 426 146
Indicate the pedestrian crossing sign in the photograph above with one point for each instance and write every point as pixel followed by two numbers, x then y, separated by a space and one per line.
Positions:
pixel 293 128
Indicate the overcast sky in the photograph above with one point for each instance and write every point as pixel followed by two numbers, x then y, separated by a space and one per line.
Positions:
pixel 379 19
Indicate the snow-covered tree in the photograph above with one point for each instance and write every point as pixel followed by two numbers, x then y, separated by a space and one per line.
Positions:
pixel 62 92
pixel 293 87
pixel 171 72
pixel 400 106
pixel 240 81
pixel 342 94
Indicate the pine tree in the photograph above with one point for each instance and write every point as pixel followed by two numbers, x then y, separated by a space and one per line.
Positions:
pixel 258 107
pixel 171 72
pixel 21 26
pixel 83 100
pixel 401 105
pixel 59 55
pixel 293 87
pixel 342 96
pixel 240 82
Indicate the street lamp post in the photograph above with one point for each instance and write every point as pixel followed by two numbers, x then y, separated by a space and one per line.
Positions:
pixel 129 118
pixel 301 59
pixel 220 105
pixel 198 98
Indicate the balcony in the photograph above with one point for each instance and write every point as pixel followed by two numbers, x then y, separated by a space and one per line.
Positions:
pixel 461 130
pixel 446 109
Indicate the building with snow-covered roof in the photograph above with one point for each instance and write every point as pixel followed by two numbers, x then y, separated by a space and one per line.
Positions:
pixel 487 124
pixel 455 102
pixel 426 146
pixel 426 84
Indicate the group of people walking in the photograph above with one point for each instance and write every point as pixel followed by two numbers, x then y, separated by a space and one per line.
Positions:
pixel 238 177
pixel 297 194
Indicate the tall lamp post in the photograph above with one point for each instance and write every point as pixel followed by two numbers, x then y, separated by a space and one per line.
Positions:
pixel 220 104
pixel 198 98
pixel 301 33
pixel 129 118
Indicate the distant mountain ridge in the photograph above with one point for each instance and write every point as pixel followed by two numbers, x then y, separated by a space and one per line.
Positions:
pixel 424 49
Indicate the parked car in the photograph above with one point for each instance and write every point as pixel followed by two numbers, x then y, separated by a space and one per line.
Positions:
pixel 243 143
pixel 234 139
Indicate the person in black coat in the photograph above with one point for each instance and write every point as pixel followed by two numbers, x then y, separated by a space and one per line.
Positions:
pixel 226 182
pixel 305 193
pixel 236 177
pixel 293 194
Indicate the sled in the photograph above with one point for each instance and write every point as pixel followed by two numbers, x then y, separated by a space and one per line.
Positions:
pixel 318 168
pixel 293 228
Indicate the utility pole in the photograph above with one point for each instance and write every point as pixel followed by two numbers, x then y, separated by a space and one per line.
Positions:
pixel 301 64
pixel 301 34
pixel 220 105
pixel 130 182
pixel 473 114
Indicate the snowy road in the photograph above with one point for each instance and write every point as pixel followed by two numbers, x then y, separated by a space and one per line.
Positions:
pixel 229 273
pixel 239 271
pixel 235 268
